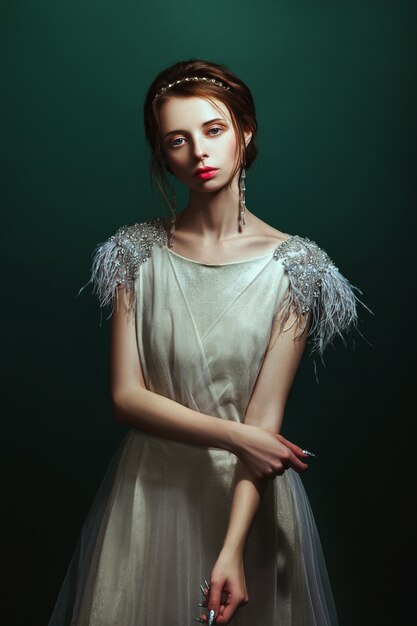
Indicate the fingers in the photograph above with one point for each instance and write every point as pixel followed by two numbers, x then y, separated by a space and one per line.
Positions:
pixel 292 446
pixel 295 456
pixel 297 464
pixel 300 452
pixel 223 612
pixel 214 597
pixel 229 610
pixel 284 460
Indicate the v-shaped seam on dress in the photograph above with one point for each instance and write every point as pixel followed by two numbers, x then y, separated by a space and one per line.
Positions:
pixel 204 335
pixel 199 344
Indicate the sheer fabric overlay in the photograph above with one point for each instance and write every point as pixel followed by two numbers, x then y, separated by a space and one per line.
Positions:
pixel 159 519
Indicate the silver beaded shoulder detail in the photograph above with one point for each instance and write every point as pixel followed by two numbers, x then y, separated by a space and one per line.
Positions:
pixel 116 261
pixel 316 288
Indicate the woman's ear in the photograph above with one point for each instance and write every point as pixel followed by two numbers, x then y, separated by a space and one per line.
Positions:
pixel 247 133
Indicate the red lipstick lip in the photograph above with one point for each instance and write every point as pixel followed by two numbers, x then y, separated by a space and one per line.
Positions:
pixel 204 169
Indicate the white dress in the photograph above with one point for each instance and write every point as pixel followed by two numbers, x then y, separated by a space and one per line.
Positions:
pixel 159 519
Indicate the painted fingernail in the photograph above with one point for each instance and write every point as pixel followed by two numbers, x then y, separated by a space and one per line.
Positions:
pixel 203 591
pixel 198 619
pixel 211 615
pixel 201 604
pixel 308 453
pixel 207 584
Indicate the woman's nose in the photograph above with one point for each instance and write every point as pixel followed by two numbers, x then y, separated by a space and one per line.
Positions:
pixel 200 148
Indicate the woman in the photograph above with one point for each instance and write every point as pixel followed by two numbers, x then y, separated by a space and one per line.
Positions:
pixel 211 312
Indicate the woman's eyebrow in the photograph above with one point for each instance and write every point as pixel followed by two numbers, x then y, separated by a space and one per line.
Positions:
pixel 215 119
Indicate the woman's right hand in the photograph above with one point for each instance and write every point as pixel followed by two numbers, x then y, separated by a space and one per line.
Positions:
pixel 266 454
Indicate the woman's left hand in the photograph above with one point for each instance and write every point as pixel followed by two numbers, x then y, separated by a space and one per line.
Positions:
pixel 227 587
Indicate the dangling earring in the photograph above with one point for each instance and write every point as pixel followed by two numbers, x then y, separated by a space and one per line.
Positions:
pixel 242 200
pixel 167 190
pixel 172 206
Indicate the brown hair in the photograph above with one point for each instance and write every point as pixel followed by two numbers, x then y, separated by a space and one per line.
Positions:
pixel 238 100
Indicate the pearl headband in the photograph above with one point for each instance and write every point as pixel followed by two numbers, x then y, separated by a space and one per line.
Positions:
pixel 204 79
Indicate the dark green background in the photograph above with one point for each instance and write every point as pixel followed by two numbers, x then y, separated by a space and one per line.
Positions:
pixel 334 84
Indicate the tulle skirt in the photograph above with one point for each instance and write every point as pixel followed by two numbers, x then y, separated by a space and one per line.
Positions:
pixel 156 528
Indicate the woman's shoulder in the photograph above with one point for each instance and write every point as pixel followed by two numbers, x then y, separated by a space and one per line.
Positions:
pixel 294 247
pixel 131 245
pixel 141 234
pixel 303 251
pixel 317 288
pixel 116 260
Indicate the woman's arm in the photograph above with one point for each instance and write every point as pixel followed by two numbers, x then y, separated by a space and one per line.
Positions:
pixel 265 410
pixel 136 406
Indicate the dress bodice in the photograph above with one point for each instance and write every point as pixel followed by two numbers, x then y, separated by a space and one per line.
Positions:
pixel 203 329
pixel 314 285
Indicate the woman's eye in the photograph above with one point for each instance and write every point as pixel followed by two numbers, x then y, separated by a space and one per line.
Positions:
pixel 177 142
pixel 215 131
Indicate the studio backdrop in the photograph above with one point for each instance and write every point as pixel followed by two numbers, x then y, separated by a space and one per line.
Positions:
pixel 334 86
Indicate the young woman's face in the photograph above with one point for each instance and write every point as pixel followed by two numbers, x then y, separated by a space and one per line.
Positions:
pixel 198 135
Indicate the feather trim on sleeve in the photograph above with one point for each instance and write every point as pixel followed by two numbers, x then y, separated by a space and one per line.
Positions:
pixel 317 288
pixel 117 261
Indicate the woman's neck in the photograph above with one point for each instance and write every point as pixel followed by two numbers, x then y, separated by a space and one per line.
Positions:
pixel 211 216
